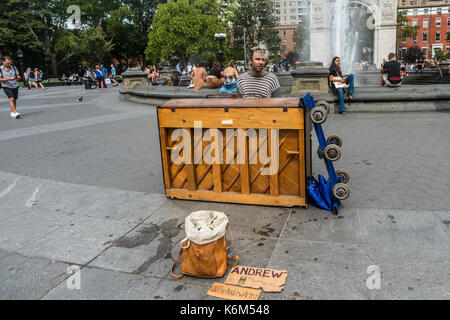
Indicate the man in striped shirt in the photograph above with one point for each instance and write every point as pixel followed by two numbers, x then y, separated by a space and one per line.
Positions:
pixel 258 83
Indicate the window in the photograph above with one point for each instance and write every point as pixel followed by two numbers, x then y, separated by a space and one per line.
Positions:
pixel 426 11
pixel 439 10
pixel 425 37
pixel 277 12
pixel 448 22
pixel 293 17
pixel 277 4
pixel 438 36
pixel 284 33
pixel 293 10
pixel 415 12
pixel 438 22
pixel 414 23
pixel 448 36
pixel 425 23
pixel 414 38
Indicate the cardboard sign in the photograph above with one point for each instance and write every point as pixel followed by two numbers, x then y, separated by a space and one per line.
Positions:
pixel 267 279
pixel 224 291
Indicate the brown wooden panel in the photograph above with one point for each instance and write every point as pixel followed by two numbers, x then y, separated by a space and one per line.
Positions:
pixel 255 199
pixel 253 118
pixel 233 103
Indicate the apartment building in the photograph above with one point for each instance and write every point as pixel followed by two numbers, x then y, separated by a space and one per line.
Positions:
pixel 289 14
pixel 433 17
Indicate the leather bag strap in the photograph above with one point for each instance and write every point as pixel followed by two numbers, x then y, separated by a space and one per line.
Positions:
pixel 232 239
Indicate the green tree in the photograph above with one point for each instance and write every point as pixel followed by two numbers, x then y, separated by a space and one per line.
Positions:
pixel 258 18
pixel 185 28
pixel 404 30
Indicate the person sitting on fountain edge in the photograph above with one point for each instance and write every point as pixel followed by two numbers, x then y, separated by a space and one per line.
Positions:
pixel 391 73
pixel 340 82
pixel 258 83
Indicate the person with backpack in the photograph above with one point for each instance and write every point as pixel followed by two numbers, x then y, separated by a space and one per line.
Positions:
pixel 32 79
pixel 8 81
pixel 39 78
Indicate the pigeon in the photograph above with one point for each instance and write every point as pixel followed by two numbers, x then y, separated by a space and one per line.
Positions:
pixel 79 100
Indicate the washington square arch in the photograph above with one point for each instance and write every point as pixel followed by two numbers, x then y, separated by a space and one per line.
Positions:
pixel 325 17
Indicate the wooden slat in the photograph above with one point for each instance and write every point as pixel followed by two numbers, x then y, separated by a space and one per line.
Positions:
pixel 273 179
pixel 190 168
pixel 165 158
pixel 217 176
pixel 251 118
pixel 244 171
pixel 301 163
pixel 253 199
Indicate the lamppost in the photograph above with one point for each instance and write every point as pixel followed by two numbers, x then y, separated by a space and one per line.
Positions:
pixel 221 38
pixel 245 49
pixel 20 56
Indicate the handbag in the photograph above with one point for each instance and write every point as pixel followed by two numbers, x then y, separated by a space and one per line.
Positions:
pixel 204 252
pixel 339 85
pixel 107 81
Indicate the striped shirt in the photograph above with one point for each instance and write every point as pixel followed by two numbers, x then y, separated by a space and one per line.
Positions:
pixel 12 73
pixel 258 87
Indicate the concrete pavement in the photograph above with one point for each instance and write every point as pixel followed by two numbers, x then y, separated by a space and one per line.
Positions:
pixel 81 184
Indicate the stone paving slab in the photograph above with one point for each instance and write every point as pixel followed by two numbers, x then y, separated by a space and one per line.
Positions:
pixel 28 278
pixel 97 284
pixel 322 270
pixel 319 225
pixel 411 273
pixel 400 229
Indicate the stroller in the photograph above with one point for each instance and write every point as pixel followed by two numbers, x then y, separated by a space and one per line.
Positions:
pixel 90 82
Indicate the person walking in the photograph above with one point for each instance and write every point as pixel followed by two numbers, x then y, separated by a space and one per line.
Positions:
pixel 25 79
pixel 32 79
pixel 113 75
pixel 340 82
pixel 39 76
pixel 8 80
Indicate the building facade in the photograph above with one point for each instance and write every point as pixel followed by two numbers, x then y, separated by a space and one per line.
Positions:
pixel 433 17
pixel 290 12
pixel 289 15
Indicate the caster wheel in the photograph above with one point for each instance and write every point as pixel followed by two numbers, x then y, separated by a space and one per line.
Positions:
pixel 318 115
pixel 341 191
pixel 332 152
pixel 324 104
pixel 344 174
pixel 335 140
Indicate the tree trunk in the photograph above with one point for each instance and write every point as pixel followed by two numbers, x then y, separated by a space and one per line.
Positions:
pixel 53 65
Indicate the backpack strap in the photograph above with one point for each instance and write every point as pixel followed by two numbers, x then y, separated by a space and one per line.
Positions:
pixel 174 276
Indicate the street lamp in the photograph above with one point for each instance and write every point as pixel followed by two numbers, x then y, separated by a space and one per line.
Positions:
pixel 245 49
pixel 221 38
pixel 20 56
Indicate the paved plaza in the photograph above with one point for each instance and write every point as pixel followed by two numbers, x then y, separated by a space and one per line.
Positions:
pixel 81 184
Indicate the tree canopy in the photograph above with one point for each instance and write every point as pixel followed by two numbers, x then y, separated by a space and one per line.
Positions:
pixel 185 28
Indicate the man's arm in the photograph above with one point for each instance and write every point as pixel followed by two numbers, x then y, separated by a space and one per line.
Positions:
pixel 276 93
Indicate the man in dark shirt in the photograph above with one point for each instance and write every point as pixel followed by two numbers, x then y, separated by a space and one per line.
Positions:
pixel 391 72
